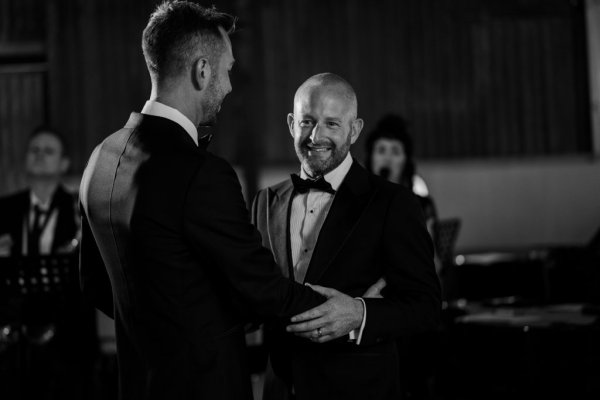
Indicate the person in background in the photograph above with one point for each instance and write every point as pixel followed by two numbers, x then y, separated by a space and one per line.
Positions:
pixel 390 155
pixel 59 329
pixel 42 219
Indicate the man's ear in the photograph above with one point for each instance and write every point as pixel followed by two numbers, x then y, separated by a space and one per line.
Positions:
pixel 201 73
pixel 357 126
pixel 290 121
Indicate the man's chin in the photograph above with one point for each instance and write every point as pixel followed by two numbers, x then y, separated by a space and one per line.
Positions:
pixel 317 167
pixel 209 122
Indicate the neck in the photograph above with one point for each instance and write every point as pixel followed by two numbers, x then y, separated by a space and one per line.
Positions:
pixel 177 96
pixel 43 189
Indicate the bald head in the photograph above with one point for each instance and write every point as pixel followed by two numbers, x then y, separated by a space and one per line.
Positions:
pixel 331 84
pixel 324 123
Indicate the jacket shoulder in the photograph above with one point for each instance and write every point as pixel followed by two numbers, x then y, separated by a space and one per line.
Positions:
pixel 16 198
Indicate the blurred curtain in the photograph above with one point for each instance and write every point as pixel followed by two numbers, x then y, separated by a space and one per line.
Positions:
pixel 22 108
pixel 23 79
pixel 474 78
pixel 97 71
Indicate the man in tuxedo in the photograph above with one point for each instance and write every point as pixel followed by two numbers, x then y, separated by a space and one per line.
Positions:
pixel 42 219
pixel 336 225
pixel 167 247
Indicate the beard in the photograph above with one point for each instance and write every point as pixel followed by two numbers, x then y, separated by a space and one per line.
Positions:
pixel 316 165
pixel 212 106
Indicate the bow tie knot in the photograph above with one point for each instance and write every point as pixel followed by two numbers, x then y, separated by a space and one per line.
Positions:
pixel 304 185
pixel 204 141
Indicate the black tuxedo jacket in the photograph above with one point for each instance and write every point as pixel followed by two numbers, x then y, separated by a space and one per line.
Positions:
pixel 373 229
pixel 165 227
pixel 14 209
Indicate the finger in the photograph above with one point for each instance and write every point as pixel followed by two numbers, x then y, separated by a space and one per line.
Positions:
pixel 380 284
pixel 316 337
pixel 325 291
pixel 375 289
pixel 311 314
pixel 324 338
pixel 372 293
pixel 306 326
pixel 306 335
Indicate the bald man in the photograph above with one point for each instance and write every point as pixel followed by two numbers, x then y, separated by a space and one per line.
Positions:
pixel 335 225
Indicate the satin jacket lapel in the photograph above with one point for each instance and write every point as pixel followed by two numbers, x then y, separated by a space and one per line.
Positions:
pixel 278 225
pixel 353 195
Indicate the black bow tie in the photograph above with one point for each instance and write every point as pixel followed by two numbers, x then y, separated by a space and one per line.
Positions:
pixel 204 141
pixel 304 185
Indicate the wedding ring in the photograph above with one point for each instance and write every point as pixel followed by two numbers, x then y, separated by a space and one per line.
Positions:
pixel 319 333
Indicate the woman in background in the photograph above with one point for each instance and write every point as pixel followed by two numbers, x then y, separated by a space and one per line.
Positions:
pixel 390 155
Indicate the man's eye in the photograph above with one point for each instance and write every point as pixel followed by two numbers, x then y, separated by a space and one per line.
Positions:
pixel 305 123
pixel 333 124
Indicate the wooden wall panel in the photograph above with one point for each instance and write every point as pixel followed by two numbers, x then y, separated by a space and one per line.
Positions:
pixel 474 78
pixel 21 110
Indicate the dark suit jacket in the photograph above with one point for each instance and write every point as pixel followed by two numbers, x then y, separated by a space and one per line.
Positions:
pixel 166 227
pixel 15 208
pixel 373 229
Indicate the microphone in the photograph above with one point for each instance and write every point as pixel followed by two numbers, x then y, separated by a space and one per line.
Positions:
pixel 384 172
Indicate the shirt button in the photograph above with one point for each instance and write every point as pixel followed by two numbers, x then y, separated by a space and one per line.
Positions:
pixel 311 211
pixel 306 250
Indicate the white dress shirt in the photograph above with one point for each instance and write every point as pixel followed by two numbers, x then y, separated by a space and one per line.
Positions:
pixel 49 227
pixel 309 211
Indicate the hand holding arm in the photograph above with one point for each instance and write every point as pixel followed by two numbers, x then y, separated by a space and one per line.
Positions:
pixel 339 315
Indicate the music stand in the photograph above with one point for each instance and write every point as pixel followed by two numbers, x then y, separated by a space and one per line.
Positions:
pixel 39 278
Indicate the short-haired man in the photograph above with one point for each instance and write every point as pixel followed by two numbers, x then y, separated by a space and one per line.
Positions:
pixel 42 219
pixel 346 229
pixel 165 227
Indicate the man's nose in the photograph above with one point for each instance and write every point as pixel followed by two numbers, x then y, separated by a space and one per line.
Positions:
pixel 315 134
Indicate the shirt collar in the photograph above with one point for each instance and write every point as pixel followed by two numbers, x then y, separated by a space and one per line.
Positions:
pixel 336 176
pixel 35 201
pixel 158 109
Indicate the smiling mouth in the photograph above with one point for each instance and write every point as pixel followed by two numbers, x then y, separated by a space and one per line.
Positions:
pixel 318 149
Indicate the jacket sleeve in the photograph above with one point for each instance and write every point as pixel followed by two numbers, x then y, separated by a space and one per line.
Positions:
pixel 217 223
pixel 411 301
pixel 94 280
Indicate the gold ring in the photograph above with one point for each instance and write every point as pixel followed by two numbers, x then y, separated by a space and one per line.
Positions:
pixel 319 333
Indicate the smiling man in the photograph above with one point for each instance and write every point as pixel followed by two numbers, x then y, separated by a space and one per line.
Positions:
pixel 338 226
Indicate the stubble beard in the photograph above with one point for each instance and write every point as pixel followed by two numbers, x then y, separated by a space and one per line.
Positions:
pixel 316 167
pixel 212 106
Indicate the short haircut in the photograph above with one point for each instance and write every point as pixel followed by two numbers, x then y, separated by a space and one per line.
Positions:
pixel 48 130
pixel 176 29
pixel 330 79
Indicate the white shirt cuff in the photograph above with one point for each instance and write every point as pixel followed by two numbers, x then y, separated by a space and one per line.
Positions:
pixel 356 334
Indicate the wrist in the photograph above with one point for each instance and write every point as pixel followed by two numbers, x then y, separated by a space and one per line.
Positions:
pixel 359 313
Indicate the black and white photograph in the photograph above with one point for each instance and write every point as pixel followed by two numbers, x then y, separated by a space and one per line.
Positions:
pixel 299 199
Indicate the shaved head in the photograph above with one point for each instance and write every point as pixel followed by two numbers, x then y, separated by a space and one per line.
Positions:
pixel 332 83
pixel 324 123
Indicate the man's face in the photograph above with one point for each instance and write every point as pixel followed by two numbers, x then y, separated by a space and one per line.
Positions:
pixel 219 85
pixel 44 158
pixel 323 127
